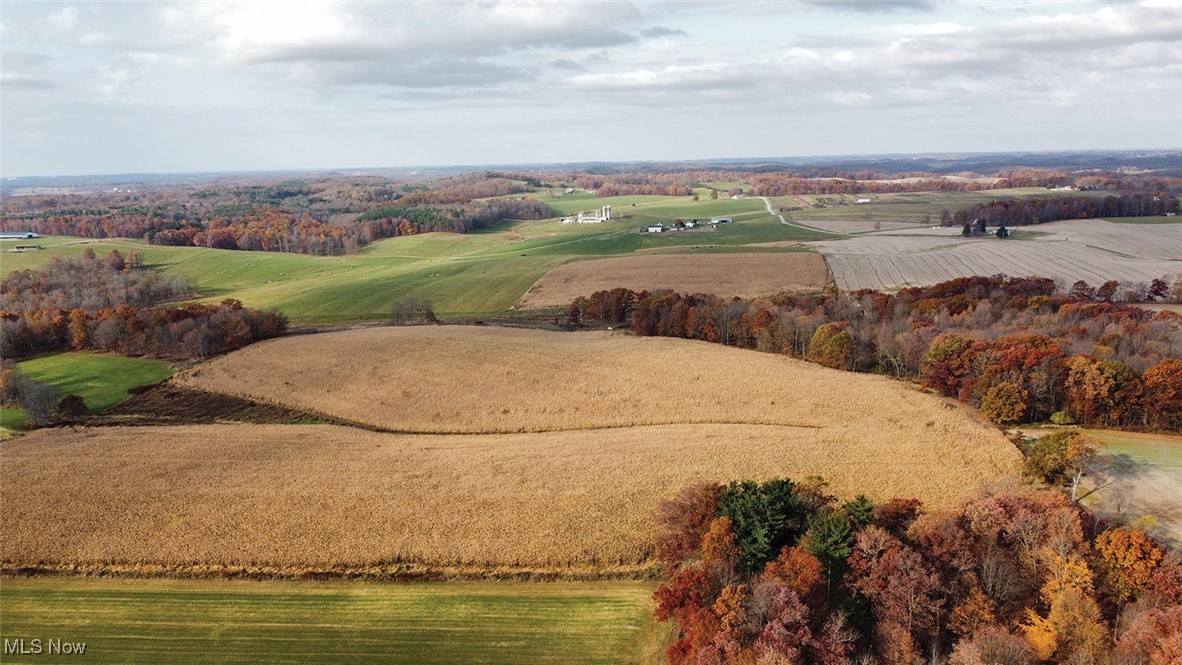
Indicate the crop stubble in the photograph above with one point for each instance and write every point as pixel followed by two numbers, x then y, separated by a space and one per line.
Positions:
pixel 726 275
pixel 564 496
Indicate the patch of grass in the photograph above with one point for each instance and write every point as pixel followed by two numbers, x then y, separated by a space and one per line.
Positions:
pixel 102 381
pixel 169 621
pixel 1162 219
pixel 1161 450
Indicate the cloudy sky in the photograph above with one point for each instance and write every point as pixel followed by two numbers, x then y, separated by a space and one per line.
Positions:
pixel 117 87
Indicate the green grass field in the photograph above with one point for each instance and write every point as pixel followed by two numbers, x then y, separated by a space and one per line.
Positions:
pixel 1145 220
pixel 477 274
pixel 907 207
pixel 179 621
pixel 1161 450
pixel 101 381
pixel 1147 469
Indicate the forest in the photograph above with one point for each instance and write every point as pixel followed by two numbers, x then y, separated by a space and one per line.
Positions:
pixel 1019 349
pixel 116 305
pixel 782 572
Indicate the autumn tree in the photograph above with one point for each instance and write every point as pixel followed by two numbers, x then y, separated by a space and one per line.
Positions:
pixel 1128 559
pixel 1163 394
pixel 1062 458
pixel 1005 403
pixel 902 588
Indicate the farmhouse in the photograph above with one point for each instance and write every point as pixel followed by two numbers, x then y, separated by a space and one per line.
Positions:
pixel 655 228
pixel 18 235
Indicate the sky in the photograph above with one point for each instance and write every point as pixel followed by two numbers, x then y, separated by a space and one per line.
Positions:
pixel 176 87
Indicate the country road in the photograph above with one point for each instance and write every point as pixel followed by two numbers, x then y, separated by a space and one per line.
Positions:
pixel 785 222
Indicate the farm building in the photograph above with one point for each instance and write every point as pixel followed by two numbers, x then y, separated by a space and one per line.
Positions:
pixel 18 235
pixel 720 220
pixel 864 201
pixel 601 215
pixel 655 228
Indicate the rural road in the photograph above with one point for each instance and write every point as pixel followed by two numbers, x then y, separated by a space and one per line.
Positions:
pixel 785 222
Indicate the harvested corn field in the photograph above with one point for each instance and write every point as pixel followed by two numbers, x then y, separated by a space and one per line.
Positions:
pixel 289 499
pixel 1092 250
pixel 466 379
pixel 727 275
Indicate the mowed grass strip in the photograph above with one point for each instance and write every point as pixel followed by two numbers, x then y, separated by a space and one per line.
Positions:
pixel 1147 479
pixel 289 499
pixel 725 275
pixel 102 381
pixel 474 379
pixel 161 621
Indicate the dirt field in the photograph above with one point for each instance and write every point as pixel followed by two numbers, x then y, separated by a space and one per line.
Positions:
pixel 743 275
pixel 853 225
pixel 468 379
pixel 268 498
pixel 1092 250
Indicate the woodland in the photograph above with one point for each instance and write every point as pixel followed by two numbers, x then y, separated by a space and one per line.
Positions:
pixel 782 572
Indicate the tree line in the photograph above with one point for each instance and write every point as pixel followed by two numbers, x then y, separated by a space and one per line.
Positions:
pixel 115 305
pixel 783 572
pixel 1023 212
pixel 1019 349
pixel 322 217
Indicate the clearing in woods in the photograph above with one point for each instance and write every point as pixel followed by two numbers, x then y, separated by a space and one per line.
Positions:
pixel 1146 479
pixel 211 621
pixel 724 275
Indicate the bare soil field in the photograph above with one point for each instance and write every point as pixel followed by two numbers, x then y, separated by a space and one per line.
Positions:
pixel 727 275
pixel 852 225
pixel 472 379
pixel 291 500
pixel 1092 250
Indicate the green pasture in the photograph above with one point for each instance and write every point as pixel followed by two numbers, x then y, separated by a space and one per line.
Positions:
pixel 477 274
pixel 102 381
pixel 1161 219
pixel 907 207
pixel 218 621
pixel 1160 450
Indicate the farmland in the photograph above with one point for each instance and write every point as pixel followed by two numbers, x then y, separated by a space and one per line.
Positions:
pixel 283 622
pixel 284 499
pixel 726 275
pixel 563 474
pixel 476 274
pixel 518 380
pixel 1092 250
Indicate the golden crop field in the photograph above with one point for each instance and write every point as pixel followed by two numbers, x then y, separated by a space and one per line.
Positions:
pixel 285 499
pixel 467 379
pixel 726 275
